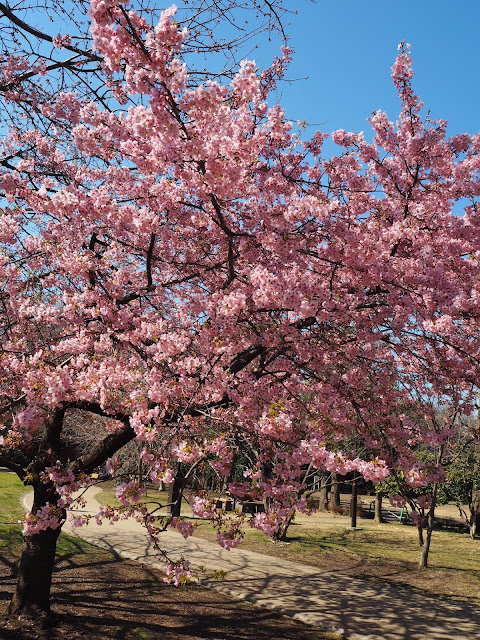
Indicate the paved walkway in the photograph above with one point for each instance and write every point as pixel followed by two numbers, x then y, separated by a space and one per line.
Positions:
pixel 356 609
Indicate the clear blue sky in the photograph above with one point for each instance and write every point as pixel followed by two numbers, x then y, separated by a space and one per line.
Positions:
pixel 346 49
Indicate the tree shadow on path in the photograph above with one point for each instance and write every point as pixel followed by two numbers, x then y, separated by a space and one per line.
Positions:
pixel 99 597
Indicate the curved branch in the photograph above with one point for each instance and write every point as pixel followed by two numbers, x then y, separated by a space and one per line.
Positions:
pixel 13 466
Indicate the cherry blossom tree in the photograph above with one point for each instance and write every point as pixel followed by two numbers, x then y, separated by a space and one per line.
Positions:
pixel 180 262
pixel 418 478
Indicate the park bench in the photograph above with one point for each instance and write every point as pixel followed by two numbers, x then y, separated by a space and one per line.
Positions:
pixel 253 506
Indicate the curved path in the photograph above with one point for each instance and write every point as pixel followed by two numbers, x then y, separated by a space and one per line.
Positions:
pixel 356 609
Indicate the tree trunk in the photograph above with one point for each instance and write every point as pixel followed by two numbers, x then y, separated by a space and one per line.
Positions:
pixel 281 534
pixel 474 526
pixel 35 568
pixel 474 513
pixel 32 592
pixel 425 542
pixel 425 548
pixel 334 495
pixel 323 504
pixel 175 494
pixel 421 539
pixel 354 501
pixel 378 507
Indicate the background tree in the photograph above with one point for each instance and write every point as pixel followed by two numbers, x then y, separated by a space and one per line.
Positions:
pixel 378 514
pixel 462 467
pixel 422 487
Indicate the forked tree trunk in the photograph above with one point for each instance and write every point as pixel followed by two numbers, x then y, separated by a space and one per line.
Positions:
pixel 32 593
pixel 35 568
pixel 281 534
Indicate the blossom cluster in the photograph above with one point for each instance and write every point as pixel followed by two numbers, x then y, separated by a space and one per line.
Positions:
pixel 178 573
pixel 130 493
pixel 46 517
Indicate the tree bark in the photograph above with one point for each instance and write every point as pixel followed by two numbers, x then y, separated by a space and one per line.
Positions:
pixel 35 568
pixel 378 507
pixel 425 548
pixel 175 494
pixel 281 534
pixel 354 501
pixel 334 495
pixel 474 526
pixel 323 504
pixel 426 541
pixel 474 507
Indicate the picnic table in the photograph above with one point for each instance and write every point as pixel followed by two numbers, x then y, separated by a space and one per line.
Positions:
pixel 247 506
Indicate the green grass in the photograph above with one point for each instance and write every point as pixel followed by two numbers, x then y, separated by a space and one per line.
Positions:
pixel 387 541
pixel 12 489
pixel 12 511
pixel 107 497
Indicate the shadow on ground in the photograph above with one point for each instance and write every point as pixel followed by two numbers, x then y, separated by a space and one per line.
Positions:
pixel 100 597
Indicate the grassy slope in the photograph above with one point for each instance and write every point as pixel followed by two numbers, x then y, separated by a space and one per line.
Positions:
pixel 11 512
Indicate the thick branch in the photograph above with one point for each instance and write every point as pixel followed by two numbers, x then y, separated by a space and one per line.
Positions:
pixel 104 450
pixel 17 468
pixel 246 357
pixel 149 261
pixel 54 429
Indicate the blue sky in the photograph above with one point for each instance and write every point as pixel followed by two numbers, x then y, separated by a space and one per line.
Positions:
pixel 346 49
